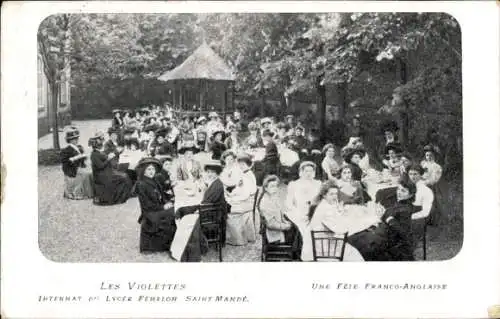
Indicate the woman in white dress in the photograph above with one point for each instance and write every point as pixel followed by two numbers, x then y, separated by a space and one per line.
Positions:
pixel 231 173
pixel 328 214
pixel 431 177
pixel 240 226
pixel 301 192
pixel 329 165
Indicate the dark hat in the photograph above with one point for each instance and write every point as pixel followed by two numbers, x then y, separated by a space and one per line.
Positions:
pixel 217 132
pixel 161 132
pixel 116 111
pixel 314 132
pixel 213 165
pixel 417 168
pixel 244 157
pixel 188 147
pixel 71 133
pixel 149 160
pixel 430 148
pixel 112 130
pixel 268 132
pixel 350 152
pixel 396 147
pixel 150 127
pixel 282 125
pixel 389 126
pixel 164 158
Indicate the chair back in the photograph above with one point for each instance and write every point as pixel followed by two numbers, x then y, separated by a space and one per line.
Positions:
pixel 211 218
pixel 255 203
pixel 328 245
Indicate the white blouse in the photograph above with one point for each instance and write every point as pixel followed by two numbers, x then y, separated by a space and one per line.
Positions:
pixel 300 194
pixel 433 172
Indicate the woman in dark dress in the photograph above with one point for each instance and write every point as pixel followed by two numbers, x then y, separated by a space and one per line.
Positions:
pixel 77 179
pixel 157 212
pixel 117 122
pixel 110 186
pixel 218 147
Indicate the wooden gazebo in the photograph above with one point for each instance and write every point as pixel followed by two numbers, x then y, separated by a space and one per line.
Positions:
pixel 203 80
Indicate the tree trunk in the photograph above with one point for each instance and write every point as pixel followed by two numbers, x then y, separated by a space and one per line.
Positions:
pixel 404 114
pixel 262 103
pixel 55 124
pixel 342 100
pixel 283 104
pixel 321 108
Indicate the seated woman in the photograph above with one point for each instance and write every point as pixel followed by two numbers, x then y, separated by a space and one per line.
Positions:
pixel 351 191
pixel 231 173
pixel 112 146
pixel 162 146
pixel 217 147
pixel 301 193
pixel 396 221
pixel 327 214
pixel 77 180
pixel 329 165
pixel 233 142
pixel 431 178
pixel 111 187
pixel 157 211
pixel 392 162
pixel 240 226
pixel 163 177
pixel 353 157
pixel 201 140
pixel 271 159
pixel 271 207
pixel 254 140
pixel 188 169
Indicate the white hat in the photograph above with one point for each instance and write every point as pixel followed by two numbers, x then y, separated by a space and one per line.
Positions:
pixel 202 118
pixel 213 114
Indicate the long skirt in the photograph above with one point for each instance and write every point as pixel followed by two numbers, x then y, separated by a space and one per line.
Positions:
pixel 114 189
pixel 437 213
pixel 157 231
pixel 80 186
pixel 240 228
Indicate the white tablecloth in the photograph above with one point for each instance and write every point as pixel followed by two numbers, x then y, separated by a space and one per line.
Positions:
pixel 131 158
pixel 350 254
pixel 186 197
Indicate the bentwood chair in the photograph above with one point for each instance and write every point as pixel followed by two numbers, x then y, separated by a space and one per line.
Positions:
pixel 274 251
pixel 328 245
pixel 211 223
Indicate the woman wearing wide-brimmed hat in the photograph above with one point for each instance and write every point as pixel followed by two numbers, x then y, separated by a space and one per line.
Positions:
pixel 188 169
pixel 157 212
pixel 217 146
pixel 112 145
pixel 117 119
pixel 77 180
pixel 110 186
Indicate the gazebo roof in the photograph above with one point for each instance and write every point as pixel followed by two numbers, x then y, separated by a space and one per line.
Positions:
pixel 204 63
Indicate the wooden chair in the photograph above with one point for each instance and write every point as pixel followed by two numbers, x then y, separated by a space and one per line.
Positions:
pixel 274 251
pixel 211 223
pixel 328 245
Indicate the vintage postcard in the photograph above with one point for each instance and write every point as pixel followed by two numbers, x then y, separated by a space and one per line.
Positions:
pixel 250 159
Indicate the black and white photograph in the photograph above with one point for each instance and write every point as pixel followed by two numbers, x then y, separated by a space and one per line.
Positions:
pixel 250 137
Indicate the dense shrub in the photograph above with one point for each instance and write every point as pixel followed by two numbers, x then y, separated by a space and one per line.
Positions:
pixel 49 157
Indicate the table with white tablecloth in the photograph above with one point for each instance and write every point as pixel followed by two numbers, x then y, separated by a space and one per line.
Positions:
pixel 350 254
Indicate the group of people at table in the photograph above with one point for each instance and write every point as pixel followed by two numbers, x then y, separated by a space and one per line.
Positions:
pixel 179 165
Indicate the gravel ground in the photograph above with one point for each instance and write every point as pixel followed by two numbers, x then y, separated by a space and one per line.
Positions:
pixel 78 231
